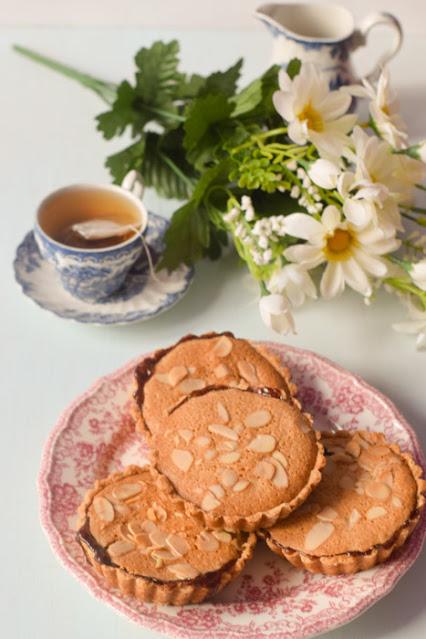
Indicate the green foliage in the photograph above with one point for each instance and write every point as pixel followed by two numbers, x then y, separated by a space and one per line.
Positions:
pixel 293 68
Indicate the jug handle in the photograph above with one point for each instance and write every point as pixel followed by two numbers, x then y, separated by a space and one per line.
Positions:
pixel 359 38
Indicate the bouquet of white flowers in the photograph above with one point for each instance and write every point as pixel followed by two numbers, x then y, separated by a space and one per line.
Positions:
pixel 305 189
pixel 353 183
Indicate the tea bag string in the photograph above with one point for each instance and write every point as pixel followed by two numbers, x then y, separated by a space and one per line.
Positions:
pixel 147 253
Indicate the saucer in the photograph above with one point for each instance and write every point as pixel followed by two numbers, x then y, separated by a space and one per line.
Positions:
pixel 143 295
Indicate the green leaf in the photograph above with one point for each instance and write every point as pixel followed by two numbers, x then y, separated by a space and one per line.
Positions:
pixel 187 237
pixel 293 68
pixel 165 167
pixel 248 98
pixel 201 131
pixel 190 86
pixel 121 115
pixel 223 82
pixel 130 158
pixel 158 82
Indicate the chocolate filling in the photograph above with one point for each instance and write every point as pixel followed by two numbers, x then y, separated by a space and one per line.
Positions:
pixel 145 369
pixel 387 544
pixel 100 554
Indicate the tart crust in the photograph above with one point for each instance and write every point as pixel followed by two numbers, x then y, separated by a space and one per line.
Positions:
pixel 177 592
pixel 355 561
pixel 268 517
pixel 146 369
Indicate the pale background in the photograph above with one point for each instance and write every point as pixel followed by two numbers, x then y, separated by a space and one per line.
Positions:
pixel 48 139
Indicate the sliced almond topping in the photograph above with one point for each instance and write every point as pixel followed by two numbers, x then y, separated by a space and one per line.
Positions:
pixel 126 490
pixel 247 371
pixel 224 431
pixel 258 418
pixel 182 459
pixel 191 384
pixel 159 511
pixel 240 485
pixel 222 412
pixel 227 445
pixel 327 514
pixel 163 378
pixel 375 512
pixel 183 571
pixel 177 374
pixel 353 448
pixel 279 456
pixel 230 458
pixel 354 518
pixel 206 542
pixel 377 490
pixel 163 555
pixel 346 482
pixel 191 370
pixel 396 502
pixel 209 502
pixel 121 509
pixel 104 509
pixel 262 444
pixel 359 488
pixel 186 434
pixel 178 545
pixel 149 526
pixel 387 477
pixel 280 479
pixel 223 346
pixel 264 470
pixel 201 442
pixel 210 454
pixel 151 514
pixel 217 490
pixel 135 527
pixel 120 547
pixel 221 371
pixel 242 384
pixel 228 477
pixel 158 537
pixel 142 539
pixel 223 536
pixel 318 534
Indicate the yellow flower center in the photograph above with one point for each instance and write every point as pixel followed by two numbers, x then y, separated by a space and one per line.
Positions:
pixel 312 117
pixel 338 245
pixel 385 109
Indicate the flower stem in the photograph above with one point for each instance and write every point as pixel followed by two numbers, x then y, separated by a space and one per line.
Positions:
pixel 106 90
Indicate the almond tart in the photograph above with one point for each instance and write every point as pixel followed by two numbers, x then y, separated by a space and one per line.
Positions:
pixel 368 503
pixel 245 457
pixel 135 532
pixel 196 362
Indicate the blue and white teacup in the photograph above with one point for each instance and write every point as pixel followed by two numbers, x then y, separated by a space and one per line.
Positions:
pixel 325 34
pixel 92 274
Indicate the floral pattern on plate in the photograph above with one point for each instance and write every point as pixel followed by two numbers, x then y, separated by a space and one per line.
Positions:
pixel 271 599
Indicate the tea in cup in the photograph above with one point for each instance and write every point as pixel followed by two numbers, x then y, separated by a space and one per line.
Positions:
pixel 92 235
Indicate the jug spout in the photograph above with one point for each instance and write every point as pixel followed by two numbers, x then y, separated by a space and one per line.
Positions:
pixel 269 14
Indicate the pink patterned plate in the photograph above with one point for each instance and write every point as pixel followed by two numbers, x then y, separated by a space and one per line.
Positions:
pixel 271 599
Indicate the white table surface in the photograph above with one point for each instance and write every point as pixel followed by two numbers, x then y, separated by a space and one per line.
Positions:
pixel 48 139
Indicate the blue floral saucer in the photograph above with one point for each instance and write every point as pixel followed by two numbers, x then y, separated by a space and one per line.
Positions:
pixel 143 295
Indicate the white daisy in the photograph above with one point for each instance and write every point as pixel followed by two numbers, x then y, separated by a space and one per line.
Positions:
pixel 275 311
pixel 351 254
pixel 418 274
pixel 416 325
pixel 295 282
pixel 313 112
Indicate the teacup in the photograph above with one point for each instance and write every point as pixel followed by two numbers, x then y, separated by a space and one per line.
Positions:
pixel 325 34
pixel 92 274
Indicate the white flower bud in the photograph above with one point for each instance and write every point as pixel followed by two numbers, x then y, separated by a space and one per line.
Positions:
pixel 292 165
pixel 295 192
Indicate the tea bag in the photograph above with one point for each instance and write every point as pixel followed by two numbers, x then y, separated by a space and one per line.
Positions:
pixel 101 229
